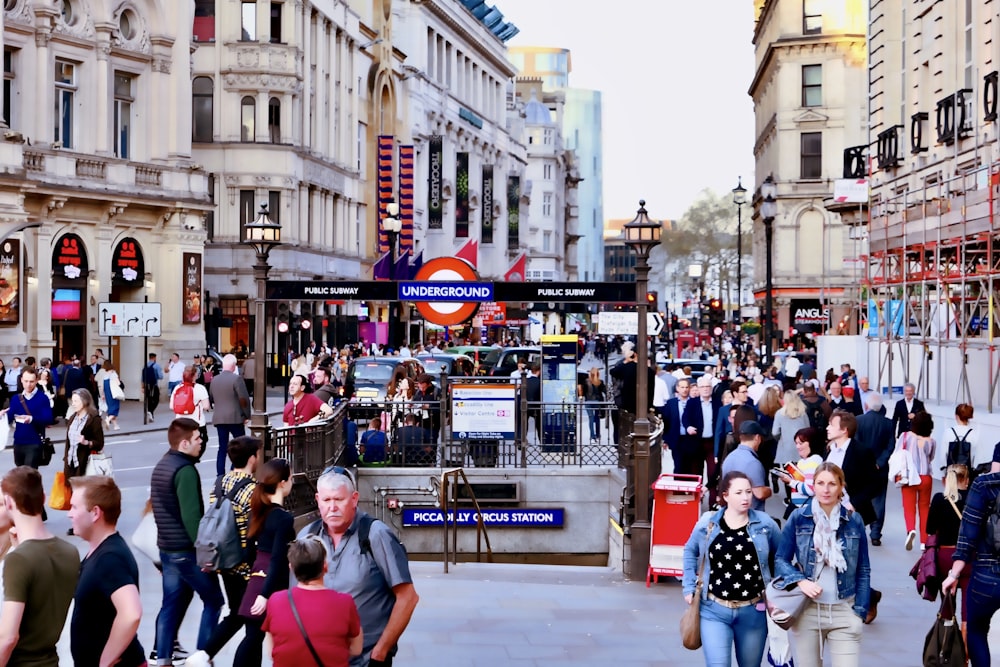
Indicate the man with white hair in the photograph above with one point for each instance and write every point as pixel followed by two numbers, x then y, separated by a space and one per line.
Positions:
pixel 875 433
pixel 232 408
pixel 372 567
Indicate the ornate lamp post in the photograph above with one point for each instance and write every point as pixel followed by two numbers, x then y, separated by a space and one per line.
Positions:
pixel 263 235
pixel 642 235
pixel 739 198
pixel 768 211
pixel 393 226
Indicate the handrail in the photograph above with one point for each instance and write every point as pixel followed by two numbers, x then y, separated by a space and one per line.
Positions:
pixel 480 526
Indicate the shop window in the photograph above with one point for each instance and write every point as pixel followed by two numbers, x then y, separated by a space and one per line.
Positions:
pixel 202 109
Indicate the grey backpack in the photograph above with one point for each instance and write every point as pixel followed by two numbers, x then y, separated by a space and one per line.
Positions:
pixel 218 545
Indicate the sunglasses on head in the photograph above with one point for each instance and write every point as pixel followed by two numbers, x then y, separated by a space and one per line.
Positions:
pixel 340 470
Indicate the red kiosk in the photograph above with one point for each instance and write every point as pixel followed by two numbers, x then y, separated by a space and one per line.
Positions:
pixel 676 508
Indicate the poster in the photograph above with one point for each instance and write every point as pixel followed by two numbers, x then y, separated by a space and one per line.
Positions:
pixel 487 230
pixel 435 206
pixel 462 195
pixel 10 282
pixel 513 211
pixel 191 289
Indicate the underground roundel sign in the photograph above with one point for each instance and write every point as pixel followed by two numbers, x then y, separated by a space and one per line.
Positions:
pixel 453 281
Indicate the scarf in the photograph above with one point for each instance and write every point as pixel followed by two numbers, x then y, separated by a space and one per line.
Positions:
pixel 825 537
pixel 73 435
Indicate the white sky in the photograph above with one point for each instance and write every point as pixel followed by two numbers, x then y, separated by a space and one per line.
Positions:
pixel 674 76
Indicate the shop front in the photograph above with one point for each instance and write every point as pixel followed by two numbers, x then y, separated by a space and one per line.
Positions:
pixel 71 275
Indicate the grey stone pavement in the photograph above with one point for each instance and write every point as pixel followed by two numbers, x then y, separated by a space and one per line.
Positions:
pixel 521 615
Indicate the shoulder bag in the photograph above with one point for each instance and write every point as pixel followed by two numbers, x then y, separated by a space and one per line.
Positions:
pixel 944 646
pixel 785 602
pixel 302 629
pixel 48 449
pixel 691 620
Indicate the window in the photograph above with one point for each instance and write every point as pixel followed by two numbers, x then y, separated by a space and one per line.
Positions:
pixel 547 171
pixel 247 110
pixel 124 97
pixel 249 20
pixel 274 120
pixel 812 17
pixel 8 84
pixel 203 109
pixel 276 23
pixel 274 205
pixel 969 66
pixel 248 212
pixel 68 12
pixel 65 77
pixel 204 20
pixel 548 137
pixel 547 205
pixel 812 85
pixel 210 215
pixel 546 241
pixel 811 155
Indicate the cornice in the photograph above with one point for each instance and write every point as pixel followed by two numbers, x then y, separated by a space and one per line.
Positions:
pixel 789 43
pixel 444 15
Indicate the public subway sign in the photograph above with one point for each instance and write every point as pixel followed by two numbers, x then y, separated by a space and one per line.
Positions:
pixel 500 517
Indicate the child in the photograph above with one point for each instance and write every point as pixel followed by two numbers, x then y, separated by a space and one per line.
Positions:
pixel 373 444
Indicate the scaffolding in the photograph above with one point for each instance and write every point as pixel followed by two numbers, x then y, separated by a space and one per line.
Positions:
pixel 932 294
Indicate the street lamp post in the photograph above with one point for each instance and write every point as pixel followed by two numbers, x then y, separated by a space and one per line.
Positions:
pixel 392 226
pixel 263 235
pixel 642 235
pixel 768 211
pixel 739 198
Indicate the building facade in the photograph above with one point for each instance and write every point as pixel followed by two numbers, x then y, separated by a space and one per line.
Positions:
pixel 101 198
pixel 932 287
pixel 810 104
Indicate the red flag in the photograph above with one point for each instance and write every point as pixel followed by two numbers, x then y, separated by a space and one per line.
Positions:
pixel 470 253
pixel 515 274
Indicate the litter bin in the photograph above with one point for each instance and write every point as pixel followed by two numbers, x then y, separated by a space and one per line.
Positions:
pixel 676 508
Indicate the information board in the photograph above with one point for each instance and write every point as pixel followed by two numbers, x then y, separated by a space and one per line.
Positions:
pixel 128 319
pixel 483 411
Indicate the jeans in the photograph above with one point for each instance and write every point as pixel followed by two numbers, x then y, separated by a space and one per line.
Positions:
pixel 722 626
pixel 878 503
pixel 841 631
pixel 594 421
pixel 170 387
pixel 28 455
pixel 235 586
pixel 984 601
pixel 226 431
pixel 180 572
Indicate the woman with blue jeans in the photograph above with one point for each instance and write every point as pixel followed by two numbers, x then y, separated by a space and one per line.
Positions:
pixel 736 543
pixel 984 585
pixel 829 548
pixel 594 394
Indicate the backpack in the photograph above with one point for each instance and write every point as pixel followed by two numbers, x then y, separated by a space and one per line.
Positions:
pixel 959 450
pixel 183 401
pixel 816 414
pixel 149 375
pixel 217 546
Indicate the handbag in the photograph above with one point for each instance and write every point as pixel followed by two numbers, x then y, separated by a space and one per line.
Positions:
pixel 784 603
pixel 99 463
pixel 302 628
pixel 60 494
pixel 691 620
pixel 144 538
pixel 943 646
pixel 117 390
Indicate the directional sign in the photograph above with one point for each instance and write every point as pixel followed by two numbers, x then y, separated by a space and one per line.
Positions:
pixel 136 320
pixel 611 323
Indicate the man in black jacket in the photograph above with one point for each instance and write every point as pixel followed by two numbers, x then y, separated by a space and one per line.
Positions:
pixel 415 443
pixel 875 433
pixel 905 408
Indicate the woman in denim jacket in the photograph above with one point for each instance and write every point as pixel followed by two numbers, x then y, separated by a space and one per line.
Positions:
pixel 830 550
pixel 739 543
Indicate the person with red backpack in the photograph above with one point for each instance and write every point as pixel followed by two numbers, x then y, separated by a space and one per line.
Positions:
pixel 190 399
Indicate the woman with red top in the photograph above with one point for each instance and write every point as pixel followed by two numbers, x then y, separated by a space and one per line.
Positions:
pixel 329 619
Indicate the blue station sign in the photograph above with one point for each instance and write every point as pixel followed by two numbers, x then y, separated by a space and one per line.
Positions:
pixel 444 291
pixel 498 517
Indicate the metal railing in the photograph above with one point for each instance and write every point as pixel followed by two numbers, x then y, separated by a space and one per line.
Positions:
pixel 449 503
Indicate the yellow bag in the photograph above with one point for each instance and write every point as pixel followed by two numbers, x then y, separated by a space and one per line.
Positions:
pixel 61 492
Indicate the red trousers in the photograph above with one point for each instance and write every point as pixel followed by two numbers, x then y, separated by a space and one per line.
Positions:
pixel 914 497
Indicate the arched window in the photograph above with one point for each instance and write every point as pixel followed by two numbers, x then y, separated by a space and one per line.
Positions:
pixel 202 109
pixel 247 111
pixel 274 120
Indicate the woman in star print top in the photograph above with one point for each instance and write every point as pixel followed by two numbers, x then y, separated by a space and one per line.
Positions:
pixel 738 542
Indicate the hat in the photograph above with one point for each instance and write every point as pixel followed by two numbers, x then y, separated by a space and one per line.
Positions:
pixel 752 428
pixel 814 383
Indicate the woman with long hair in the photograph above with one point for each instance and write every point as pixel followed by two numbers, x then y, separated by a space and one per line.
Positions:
pixel 920 447
pixel 824 550
pixel 594 392
pixel 731 550
pixel 788 421
pixel 271 530
pixel 943 521
pixel 114 405
pixel 47 386
pixel 810 444
pixel 84 434
pixel 768 406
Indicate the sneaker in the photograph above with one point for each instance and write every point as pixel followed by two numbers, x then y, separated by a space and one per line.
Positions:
pixel 149 416
pixel 198 659
pixel 180 653
pixel 910 539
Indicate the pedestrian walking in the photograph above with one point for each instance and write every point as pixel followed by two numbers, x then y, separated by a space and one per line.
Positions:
pixel 175 372
pixel 84 435
pixel 824 550
pixel 943 523
pixel 745 459
pixel 190 399
pixel 114 393
pixel 229 395
pixel 107 608
pixel 875 432
pixel 920 447
pixel 905 409
pixel 788 421
pixel 731 550
pixel 30 414
pixel 152 374
pixel 809 446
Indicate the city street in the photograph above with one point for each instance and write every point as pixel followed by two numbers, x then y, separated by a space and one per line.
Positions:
pixel 501 614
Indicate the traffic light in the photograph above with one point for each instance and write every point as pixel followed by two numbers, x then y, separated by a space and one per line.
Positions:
pixel 283 318
pixel 716 316
pixel 652 299
pixel 306 318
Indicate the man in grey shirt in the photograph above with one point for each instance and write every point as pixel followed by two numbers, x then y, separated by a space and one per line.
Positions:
pixel 374 571
pixel 744 458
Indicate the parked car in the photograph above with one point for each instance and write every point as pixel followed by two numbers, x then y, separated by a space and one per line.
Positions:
pixel 503 360
pixel 367 378
pixel 475 352
pixel 698 366
pixel 448 364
